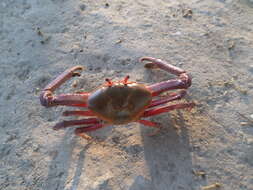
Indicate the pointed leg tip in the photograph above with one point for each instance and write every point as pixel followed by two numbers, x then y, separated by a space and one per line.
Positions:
pixel 183 92
pixel 191 106
pixel 65 113
pixel 59 126
pixel 156 132
pixel 56 128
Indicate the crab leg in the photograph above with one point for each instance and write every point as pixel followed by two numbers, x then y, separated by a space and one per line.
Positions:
pixel 183 82
pixel 151 124
pixel 81 131
pixel 47 98
pixel 169 98
pixel 78 113
pixel 89 128
pixel 65 124
pixel 160 110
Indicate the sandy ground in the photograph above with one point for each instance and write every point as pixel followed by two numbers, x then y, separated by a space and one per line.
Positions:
pixel 211 39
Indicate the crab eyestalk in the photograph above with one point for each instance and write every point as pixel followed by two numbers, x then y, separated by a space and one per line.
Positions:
pixel 126 79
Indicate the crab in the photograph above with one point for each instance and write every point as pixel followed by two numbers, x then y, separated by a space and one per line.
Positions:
pixel 118 102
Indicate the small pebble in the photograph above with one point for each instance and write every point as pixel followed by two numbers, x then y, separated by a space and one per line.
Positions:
pixel 244 123
pixel 82 7
pixel 74 84
pixel 199 173
pixel 231 44
pixel 251 116
pixel 118 41
pixel 187 13
pixel 211 187
pixel 178 33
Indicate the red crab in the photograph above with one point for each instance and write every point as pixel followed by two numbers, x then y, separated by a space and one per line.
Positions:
pixel 118 102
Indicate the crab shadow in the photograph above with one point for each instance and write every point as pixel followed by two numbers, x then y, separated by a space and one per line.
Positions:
pixel 168 156
pixel 60 175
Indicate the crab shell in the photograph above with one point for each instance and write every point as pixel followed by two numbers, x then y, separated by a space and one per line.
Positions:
pixel 120 103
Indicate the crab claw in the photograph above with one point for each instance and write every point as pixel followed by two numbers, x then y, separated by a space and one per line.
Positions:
pixel 182 82
pixel 47 98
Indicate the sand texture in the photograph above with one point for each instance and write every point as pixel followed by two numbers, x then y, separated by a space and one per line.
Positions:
pixel 213 143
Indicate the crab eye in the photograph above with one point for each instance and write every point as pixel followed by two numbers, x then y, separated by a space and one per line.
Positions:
pixel 110 83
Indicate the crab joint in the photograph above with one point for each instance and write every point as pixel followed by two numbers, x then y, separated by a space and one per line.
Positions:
pixel 110 83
